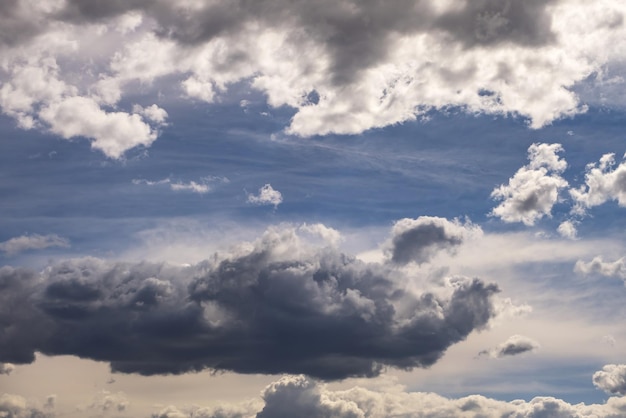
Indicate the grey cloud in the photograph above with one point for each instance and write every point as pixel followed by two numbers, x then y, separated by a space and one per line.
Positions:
pixel 356 34
pixel 611 379
pixel 298 396
pixel 420 239
pixel 278 308
pixel 515 345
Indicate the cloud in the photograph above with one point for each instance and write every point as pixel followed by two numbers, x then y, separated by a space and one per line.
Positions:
pixel 6 368
pixel 603 182
pixel 33 242
pixel 106 401
pixel 267 196
pixel 567 229
pixel 274 306
pixel 419 240
pixel 514 345
pixel 14 406
pixel 201 187
pixel 611 379
pixel 616 268
pixel 534 189
pixel 303 397
pixel 367 64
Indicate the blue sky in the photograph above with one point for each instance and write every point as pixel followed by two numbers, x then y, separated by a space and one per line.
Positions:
pixel 334 208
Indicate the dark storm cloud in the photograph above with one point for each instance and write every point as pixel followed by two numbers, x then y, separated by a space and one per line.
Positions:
pixel 356 34
pixel 324 314
pixel 515 345
pixel 420 239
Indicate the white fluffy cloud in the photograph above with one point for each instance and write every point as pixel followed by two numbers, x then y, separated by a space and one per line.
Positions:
pixel 298 396
pixel 33 242
pixel 266 196
pixel 611 379
pixel 6 368
pixel 344 66
pixel 603 182
pixel 534 189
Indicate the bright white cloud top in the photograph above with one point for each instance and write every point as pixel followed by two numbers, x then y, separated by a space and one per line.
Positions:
pixel 366 65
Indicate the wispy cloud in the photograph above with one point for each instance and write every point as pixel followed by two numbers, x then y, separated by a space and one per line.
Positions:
pixel 33 242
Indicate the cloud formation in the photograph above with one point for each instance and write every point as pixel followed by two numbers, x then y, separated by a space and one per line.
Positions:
pixel 615 268
pixel 276 306
pixel 419 240
pixel 202 186
pixel 611 379
pixel 603 182
pixel 33 242
pixel 266 196
pixel 6 368
pixel 534 189
pixel 14 406
pixel 514 345
pixel 299 396
pixel 366 65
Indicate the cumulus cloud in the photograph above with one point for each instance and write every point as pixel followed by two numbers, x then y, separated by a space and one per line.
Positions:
pixel 567 229
pixel 419 240
pixel 277 305
pixel 534 189
pixel 6 368
pixel 603 182
pixel 14 406
pixel 611 379
pixel 615 268
pixel 514 345
pixel 298 396
pixel 33 242
pixel 106 401
pixel 267 196
pixel 343 66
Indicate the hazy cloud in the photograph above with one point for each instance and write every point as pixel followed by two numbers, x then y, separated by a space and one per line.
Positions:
pixel 611 379
pixel 534 189
pixel 6 368
pixel 32 242
pixel 615 268
pixel 14 406
pixel 420 239
pixel 278 306
pixel 567 229
pixel 514 345
pixel 202 186
pixel 106 401
pixel 267 196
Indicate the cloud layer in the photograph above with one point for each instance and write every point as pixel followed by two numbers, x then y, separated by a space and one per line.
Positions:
pixel 274 306
pixel 343 66
pixel 302 397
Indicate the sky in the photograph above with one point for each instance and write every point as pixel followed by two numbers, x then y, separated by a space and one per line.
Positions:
pixel 319 208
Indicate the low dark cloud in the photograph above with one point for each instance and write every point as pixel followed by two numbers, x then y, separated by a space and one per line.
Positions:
pixel 513 346
pixel 418 240
pixel 278 308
